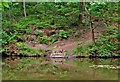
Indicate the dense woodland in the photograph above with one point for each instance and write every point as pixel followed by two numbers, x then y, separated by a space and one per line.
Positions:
pixel 27 24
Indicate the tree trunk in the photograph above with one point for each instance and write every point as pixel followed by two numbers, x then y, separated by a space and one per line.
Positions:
pixel 24 8
pixel 92 30
pixel 81 9
pixel 93 35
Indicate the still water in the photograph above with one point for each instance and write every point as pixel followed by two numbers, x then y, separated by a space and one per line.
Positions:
pixel 59 69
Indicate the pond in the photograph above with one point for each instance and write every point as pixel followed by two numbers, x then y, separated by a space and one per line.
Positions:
pixel 59 69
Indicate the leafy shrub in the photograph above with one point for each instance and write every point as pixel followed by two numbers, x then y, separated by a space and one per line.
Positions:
pixel 7 38
pixel 39 32
pixel 28 30
pixel 26 50
pixel 63 34
pixel 43 39
pixel 104 49
pixel 21 38
pixel 79 50
pixel 54 38
pixel 107 44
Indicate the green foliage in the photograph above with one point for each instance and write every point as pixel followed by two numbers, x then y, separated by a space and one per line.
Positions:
pixel 21 38
pixel 79 50
pixel 6 38
pixel 73 33
pixel 43 39
pixel 4 5
pixel 42 14
pixel 63 34
pixel 54 38
pixel 107 45
pixel 38 32
pixel 24 64
pixel 26 50
pixel 28 30
pixel 8 35
pixel 9 26
pixel 97 8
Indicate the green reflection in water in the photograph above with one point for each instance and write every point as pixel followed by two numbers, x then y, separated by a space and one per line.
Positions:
pixel 55 69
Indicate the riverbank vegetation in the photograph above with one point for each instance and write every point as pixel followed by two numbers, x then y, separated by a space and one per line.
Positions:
pixel 29 28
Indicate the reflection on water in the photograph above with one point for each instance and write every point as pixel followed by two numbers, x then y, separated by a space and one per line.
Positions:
pixel 46 68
